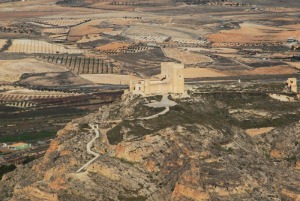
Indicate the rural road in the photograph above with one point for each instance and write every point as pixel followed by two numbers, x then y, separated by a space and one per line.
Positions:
pixel 88 148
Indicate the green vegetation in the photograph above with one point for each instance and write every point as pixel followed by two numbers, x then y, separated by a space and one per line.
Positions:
pixel 291 160
pixel 126 161
pixel 42 113
pixel 5 109
pixel 83 126
pixel 28 136
pixel 212 110
pixel 181 114
pixel 5 169
pixel 266 122
pixel 114 135
pixel 281 111
pixel 252 101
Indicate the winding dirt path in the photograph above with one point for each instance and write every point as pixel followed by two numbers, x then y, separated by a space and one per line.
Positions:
pixel 88 148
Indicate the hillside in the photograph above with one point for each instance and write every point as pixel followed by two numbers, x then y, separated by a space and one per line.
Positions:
pixel 199 150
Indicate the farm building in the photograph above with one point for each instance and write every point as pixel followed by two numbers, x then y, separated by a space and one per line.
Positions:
pixel 19 146
pixel 171 81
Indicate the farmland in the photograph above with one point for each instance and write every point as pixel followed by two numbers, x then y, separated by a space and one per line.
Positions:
pixel 12 70
pixel 51 109
pixel 56 30
pixel 185 57
pixel 61 22
pixel 39 47
pixel 81 65
pixel 2 43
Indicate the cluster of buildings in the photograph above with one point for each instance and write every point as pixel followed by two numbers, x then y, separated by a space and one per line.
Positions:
pixel 16 146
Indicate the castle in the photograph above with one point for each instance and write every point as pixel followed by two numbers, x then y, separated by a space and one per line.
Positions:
pixel 292 85
pixel 171 81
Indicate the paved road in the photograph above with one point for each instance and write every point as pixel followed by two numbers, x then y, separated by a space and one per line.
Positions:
pixel 88 148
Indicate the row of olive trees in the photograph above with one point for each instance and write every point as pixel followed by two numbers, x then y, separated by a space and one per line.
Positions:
pixel 6 45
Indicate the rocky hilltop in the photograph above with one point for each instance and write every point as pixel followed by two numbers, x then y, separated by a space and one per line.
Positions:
pixel 199 150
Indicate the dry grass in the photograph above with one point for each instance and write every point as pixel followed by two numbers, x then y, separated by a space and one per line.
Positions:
pixel 108 78
pixel 201 72
pixel 11 70
pixel 276 70
pixel 282 98
pixel 258 131
pixel 186 57
pixel 294 64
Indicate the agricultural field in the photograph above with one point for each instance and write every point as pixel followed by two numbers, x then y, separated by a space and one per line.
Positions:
pixel 202 72
pixel 56 30
pixel 22 94
pixel 12 70
pixel 89 38
pixel 254 35
pixel 61 22
pixel 114 46
pixel 113 79
pixel 82 65
pixel 92 27
pixel 147 38
pixel 60 38
pixel 39 47
pixel 185 57
pixel 52 79
pixel 188 41
pixel 160 33
pixel 2 43
pixel 24 110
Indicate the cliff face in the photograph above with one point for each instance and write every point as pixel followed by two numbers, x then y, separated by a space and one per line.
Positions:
pixel 194 152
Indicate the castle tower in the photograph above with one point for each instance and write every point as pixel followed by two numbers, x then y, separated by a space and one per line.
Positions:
pixel 292 84
pixel 172 73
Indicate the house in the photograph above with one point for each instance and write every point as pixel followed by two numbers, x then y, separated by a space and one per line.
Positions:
pixel 291 40
pixel 171 81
